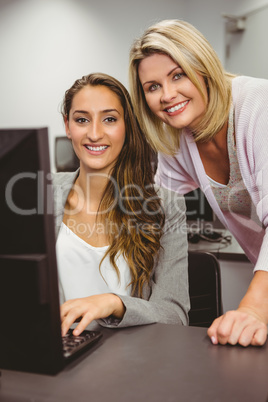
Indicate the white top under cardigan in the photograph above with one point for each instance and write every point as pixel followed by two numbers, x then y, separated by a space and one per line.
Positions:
pixel 78 269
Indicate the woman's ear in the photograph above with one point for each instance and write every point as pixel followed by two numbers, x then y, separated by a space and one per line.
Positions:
pixel 66 124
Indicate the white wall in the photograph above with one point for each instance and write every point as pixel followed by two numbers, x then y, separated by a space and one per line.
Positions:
pixel 246 51
pixel 207 16
pixel 46 44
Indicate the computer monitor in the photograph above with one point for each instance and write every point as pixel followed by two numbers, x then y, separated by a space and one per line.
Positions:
pixel 65 157
pixel 199 213
pixel 30 336
pixel 198 206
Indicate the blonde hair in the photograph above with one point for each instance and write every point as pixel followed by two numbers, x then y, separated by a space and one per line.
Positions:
pixel 188 48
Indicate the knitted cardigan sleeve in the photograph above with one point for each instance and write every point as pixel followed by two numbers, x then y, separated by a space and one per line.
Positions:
pixel 250 97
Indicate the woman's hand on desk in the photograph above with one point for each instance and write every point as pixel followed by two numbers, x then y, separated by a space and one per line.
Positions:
pixel 88 309
pixel 248 324
pixel 238 327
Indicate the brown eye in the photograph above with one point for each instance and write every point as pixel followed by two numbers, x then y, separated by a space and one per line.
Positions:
pixel 110 119
pixel 81 120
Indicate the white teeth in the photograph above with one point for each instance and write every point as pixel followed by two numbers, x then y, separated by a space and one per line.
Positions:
pixel 96 148
pixel 177 107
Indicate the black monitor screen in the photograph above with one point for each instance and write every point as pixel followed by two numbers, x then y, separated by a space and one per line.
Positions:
pixel 30 338
pixel 197 207
pixel 24 171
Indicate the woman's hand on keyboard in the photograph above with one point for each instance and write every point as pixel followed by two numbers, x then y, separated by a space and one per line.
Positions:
pixel 88 309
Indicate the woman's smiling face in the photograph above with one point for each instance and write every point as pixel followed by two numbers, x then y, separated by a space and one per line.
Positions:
pixel 169 93
pixel 96 127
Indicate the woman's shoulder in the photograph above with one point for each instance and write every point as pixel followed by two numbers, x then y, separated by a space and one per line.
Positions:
pixel 63 178
pixel 250 97
pixel 170 199
pixel 245 86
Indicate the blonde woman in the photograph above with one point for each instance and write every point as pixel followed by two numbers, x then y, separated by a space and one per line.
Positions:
pixel 121 241
pixel 210 129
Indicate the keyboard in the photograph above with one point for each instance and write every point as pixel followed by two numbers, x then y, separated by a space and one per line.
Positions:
pixel 72 344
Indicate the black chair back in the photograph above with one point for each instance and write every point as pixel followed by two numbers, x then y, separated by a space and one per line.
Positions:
pixel 204 288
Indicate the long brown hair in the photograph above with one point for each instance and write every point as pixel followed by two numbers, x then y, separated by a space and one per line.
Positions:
pixel 132 205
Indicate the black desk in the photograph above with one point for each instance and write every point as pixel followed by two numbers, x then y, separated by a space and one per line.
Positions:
pixel 154 363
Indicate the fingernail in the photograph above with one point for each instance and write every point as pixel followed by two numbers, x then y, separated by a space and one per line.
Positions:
pixel 213 340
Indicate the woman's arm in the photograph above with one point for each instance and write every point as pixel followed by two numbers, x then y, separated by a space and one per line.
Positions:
pixel 248 324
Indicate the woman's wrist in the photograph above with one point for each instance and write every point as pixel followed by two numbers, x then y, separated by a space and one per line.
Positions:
pixel 118 306
pixel 255 300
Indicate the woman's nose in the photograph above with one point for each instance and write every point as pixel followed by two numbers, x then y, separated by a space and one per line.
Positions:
pixel 95 132
pixel 168 93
